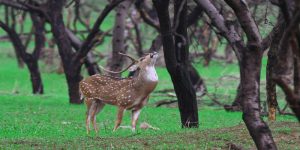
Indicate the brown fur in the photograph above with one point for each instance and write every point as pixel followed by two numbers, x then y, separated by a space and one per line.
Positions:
pixel 125 93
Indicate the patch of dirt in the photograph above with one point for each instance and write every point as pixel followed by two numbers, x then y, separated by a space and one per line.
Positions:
pixel 286 136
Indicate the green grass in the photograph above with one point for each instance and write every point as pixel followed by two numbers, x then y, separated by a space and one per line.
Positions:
pixel 50 122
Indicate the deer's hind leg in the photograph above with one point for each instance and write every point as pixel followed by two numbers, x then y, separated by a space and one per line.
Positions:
pixel 88 103
pixel 98 107
pixel 91 109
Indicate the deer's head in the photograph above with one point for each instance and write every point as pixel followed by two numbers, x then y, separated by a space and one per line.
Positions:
pixel 138 64
pixel 146 61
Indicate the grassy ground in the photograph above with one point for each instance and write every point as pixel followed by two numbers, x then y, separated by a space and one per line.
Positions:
pixel 50 122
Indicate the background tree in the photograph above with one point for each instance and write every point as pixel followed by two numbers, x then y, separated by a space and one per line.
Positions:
pixel 175 46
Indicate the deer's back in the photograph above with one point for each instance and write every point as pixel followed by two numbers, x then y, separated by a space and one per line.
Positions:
pixel 105 88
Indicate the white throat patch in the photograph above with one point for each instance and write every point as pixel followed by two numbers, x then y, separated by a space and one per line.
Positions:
pixel 151 74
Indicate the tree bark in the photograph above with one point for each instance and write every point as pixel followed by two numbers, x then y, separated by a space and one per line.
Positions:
pixel 177 61
pixel 32 60
pixel 119 38
pixel 72 73
pixel 90 63
pixel 250 67
pixel 273 68
pixel 250 87
pixel 35 77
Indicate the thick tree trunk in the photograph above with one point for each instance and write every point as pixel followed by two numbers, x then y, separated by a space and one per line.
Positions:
pixel 119 38
pixel 177 60
pixel 73 87
pixel 35 76
pixel 250 87
pixel 72 73
pixel 182 50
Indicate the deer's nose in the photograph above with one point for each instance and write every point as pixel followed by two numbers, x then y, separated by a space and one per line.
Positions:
pixel 152 54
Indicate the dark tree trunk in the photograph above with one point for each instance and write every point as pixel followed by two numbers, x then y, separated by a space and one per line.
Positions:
pixel 249 56
pixel 35 76
pixel 31 60
pixel 119 38
pixel 297 75
pixel 7 15
pixel 271 86
pixel 177 61
pixel 250 88
pixel 272 69
pixel 72 73
pixel 89 62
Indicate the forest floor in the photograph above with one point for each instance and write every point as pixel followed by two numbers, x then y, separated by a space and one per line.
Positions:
pixel 49 122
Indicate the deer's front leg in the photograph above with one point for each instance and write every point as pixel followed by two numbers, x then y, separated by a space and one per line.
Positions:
pixel 119 118
pixel 135 116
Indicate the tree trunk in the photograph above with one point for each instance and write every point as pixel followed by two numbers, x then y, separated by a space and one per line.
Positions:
pixel 297 75
pixel 272 69
pixel 119 38
pixel 177 60
pixel 73 87
pixel 72 73
pixel 250 88
pixel 89 62
pixel 35 76
pixel 271 87
pixel 31 60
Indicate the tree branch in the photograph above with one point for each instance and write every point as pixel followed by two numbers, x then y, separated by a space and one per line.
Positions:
pixel 88 43
pixel 219 22
pixel 240 7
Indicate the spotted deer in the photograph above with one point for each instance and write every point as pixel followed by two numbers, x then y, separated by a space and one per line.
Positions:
pixel 129 93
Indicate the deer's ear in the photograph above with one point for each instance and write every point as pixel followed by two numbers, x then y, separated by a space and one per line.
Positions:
pixel 133 68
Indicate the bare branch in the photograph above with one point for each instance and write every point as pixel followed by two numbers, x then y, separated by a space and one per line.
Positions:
pixel 13 4
pixel 87 44
pixel 240 7
pixel 220 23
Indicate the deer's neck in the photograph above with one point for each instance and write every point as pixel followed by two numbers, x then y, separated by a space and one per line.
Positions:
pixel 146 75
pixel 150 74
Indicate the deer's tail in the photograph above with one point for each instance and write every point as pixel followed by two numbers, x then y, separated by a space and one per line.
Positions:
pixel 81 95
